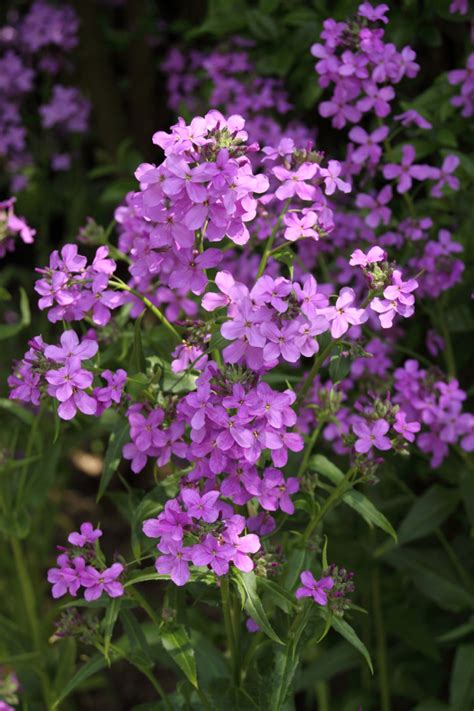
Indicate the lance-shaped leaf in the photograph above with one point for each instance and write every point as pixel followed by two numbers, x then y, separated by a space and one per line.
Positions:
pixel 247 586
pixel 177 643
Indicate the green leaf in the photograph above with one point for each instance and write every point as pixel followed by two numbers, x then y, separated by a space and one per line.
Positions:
pixel 7 330
pixel 339 367
pixel 26 416
pixel 262 26
pixel 67 649
pixel 144 576
pixel 140 650
pixel 137 359
pixel 427 513
pixel 281 597
pixel 353 498
pixel 247 586
pixel 91 667
pixel 350 635
pixel 176 642
pixel 113 456
pixel 461 690
pixel 111 615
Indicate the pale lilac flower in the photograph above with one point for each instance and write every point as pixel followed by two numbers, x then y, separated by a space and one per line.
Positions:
pixel 404 172
pixel 241 545
pixel 373 14
pixel 374 255
pixel 71 347
pixel 298 227
pixel 314 588
pixel 444 176
pixel 368 148
pixel 413 117
pixel 293 182
pixel 332 182
pixel 344 315
pixel 371 436
pixel 377 206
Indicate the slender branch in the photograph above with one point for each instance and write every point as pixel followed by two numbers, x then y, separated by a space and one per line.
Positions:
pixel 271 239
pixel 382 667
pixel 154 309
pixel 313 372
pixel 229 628
pixel 337 494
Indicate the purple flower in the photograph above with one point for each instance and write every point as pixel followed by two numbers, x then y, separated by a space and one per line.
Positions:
pixel 299 227
pixel 332 182
pixel 67 384
pixel 373 14
pixel 413 117
pixel 241 545
pixel 371 436
pixel 174 562
pixel 374 255
pixel 406 429
pixel 88 534
pixel 314 588
pixel 276 491
pixel 379 212
pixel 369 148
pixel 377 98
pixel 294 182
pixel 343 315
pixel 281 341
pixel 96 582
pixel 404 172
pixel 67 577
pixel 201 507
pixel 444 176
pixel 211 552
pixel 71 347
pixel 310 299
pixel 190 270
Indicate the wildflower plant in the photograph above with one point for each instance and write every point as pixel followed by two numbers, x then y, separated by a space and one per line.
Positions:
pixel 239 342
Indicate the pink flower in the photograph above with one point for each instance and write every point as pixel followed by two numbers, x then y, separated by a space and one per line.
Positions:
pixel 444 176
pixel 369 148
pixel 404 172
pixel 294 182
pixel 332 180
pixel 211 552
pixel 343 315
pixel 201 507
pixel 96 582
pixel 406 429
pixel 377 206
pixel 374 255
pixel 298 227
pixel 88 534
pixel 174 562
pixel 371 436
pixel 314 588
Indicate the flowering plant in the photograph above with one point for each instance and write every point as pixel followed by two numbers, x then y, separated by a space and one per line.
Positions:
pixel 237 352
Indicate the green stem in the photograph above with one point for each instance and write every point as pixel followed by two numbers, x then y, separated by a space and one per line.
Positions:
pixel 382 667
pixel 157 686
pixel 271 239
pixel 322 696
pixel 330 502
pixel 229 628
pixel 448 349
pixel 30 609
pixel 313 373
pixel 309 449
pixel 154 309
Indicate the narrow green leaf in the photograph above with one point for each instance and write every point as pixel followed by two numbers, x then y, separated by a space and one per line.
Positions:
pixel 111 615
pixel 26 416
pixel 140 650
pixel 427 513
pixel 113 456
pixel 281 597
pixel 177 643
pixel 461 691
pixel 66 663
pixel 247 586
pixel 7 330
pixel 350 635
pixel 137 359
pixel 353 498
pixel 91 667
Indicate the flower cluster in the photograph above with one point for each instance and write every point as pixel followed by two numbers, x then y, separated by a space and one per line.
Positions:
pixel 465 77
pixel 11 226
pixel 83 566
pixel 33 52
pixel 72 289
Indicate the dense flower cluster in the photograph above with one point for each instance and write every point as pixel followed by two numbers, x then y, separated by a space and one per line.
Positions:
pixel 83 566
pixel 33 53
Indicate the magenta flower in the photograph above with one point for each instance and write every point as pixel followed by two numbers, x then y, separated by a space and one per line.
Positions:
pixel 371 436
pixel 96 582
pixel 444 176
pixel 310 299
pixel 374 255
pixel 201 507
pixel 189 271
pixel 67 384
pixel 88 534
pixel 67 577
pixel 377 98
pixel 406 429
pixel 294 182
pixel 368 148
pixel 373 14
pixel 276 491
pixel 377 206
pixel 174 562
pixel 241 545
pixel 332 182
pixel 314 588
pixel 400 290
pixel 344 315
pixel 413 117
pixel 281 341
pixel 71 347
pixel 211 552
pixel 171 523
pixel 298 227
pixel 404 172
